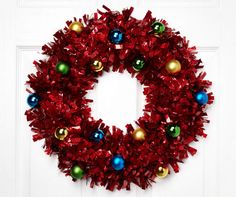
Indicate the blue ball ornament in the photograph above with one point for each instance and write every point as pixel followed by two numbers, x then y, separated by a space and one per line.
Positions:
pixel 33 100
pixel 97 135
pixel 118 162
pixel 201 98
pixel 116 36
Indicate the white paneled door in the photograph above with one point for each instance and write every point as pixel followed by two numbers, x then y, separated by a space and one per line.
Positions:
pixel 25 25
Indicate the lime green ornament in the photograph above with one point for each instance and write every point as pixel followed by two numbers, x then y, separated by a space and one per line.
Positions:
pixel 158 27
pixel 138 64
pixel 76 172
pixel 173 130
pixel 62 68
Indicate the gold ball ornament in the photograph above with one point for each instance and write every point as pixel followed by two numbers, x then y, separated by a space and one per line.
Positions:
pixel 139 134
pixel 61 133
pixel 97 66
pixel 76 26
pixel 162 172
pixel 173 66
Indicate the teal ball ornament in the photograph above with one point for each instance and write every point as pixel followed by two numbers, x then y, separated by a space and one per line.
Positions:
pixel 97 135
pixel 201 97
pixel 118 162
pixel 116 36
pixel 33 100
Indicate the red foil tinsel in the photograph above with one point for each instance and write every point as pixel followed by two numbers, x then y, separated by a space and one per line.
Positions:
pixel 168 98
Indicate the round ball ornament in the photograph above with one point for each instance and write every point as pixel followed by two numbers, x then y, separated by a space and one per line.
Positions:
pixel 139 134
pixel 97 135
pixel 138 64
pixel 76 26
pixel 62 68
pixel 72 65
pixel 61 133
pixel 76 172
pixel 201 98
pixel 173 66
pixel 162 172
pixel 118 162
pixel 116 36
pixel 173 130
pixel 158 27
pixel 97 66
pixel 33 100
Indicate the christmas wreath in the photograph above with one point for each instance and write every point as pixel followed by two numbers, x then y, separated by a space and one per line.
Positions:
pixel 173 116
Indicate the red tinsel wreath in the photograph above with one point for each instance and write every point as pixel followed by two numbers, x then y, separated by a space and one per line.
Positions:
pixel 174 114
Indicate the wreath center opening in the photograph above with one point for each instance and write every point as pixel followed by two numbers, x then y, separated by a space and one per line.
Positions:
pixel 118 99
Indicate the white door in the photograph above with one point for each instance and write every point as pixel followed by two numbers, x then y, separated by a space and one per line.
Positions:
pixel 25 171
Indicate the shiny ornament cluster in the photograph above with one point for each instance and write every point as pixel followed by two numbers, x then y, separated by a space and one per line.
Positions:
pixel 176 98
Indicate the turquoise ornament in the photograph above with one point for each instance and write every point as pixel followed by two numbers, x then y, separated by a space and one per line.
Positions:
pixel 97 135
pixel 116 36
pixel 33 100
pixel 118 162
pixel 201 98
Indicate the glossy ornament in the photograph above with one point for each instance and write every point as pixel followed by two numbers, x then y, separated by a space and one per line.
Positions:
pixel 61 133
pixel 97 66
pixel 162 172
pixel 138 64
pixel 173 130
pixel 76 172
pixel 62 68
pixel 76 26
pixel 116 36
pixel 117 162
pixel 139 134
pixel 33 100
pixel 158 27
pixel 97 135
pixel 201 98
pixel 173 66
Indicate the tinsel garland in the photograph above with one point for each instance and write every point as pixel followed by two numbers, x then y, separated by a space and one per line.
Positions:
pixel 169 99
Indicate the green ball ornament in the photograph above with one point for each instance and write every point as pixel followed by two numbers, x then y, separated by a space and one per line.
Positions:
pixel 76 172
pixel 138 64
pixel 158 27
pixel 173 130
pixel 62 68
